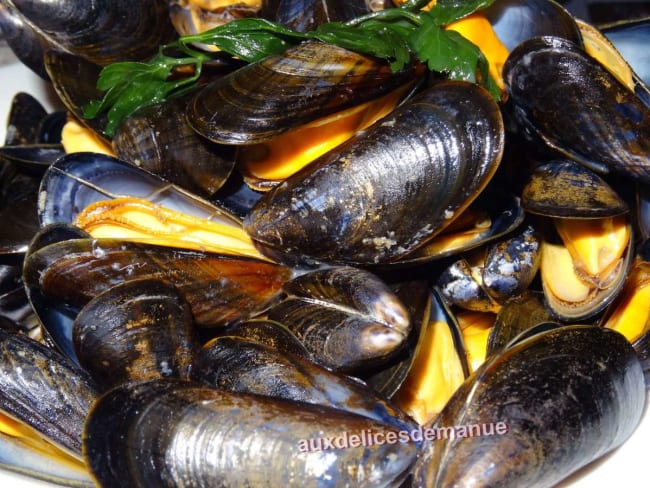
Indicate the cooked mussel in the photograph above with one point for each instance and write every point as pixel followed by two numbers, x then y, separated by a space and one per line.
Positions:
pixel 564 188
pixel 583 271
pixel 347 318
pixel 159 140
pixel 385 193
pixel 516 21
pixel 178 433
pixel 240 365
pixel 137 330
pixel 304 83
pixel 576 106
pixel 552 403
pixel 44 401
pixel 219 289
pixel 105 31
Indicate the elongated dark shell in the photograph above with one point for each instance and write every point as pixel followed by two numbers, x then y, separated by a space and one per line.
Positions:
pixel 138 330
pixel 306 82
pixel 346 318
pixel 239 365
pixel 41 388
pixel 27 43
pixel 577 107
pixel 167 434
pixel 386 192
pixel 75 81
pixel 219 289
pixel 552 404
pixel 103 31
pixel 158 139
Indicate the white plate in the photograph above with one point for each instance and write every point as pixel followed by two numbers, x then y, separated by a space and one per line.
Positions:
pixel 622 466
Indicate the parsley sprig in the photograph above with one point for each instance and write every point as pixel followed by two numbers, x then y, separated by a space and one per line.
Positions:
pixel 395 35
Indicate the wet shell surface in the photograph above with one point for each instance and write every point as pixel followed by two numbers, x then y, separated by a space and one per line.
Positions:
pixel 387 191
pixel 278 93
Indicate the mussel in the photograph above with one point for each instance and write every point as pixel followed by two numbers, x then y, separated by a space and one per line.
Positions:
pixel 178 433
pixel 386 192
pixel 571 102
pixel 552 403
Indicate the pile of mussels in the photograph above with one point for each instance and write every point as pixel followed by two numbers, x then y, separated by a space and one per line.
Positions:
pixel 315 271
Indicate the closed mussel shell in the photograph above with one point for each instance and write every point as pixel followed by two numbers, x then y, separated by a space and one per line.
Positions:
pixel 347 318
pixel 551 404
pixel 167 434
pixel 386 192
pixel 577 107
pixel 40 387
pixel 271 333
pixel 137 330
pixel 239 365
pixel 102 31
pixel 563 188
pixel 157 138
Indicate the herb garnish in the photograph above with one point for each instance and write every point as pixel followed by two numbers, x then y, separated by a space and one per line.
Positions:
pixel 394 34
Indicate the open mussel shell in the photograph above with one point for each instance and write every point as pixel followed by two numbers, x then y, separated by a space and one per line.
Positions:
pixel 439 365
pixel 105 31
pixel 577 107
pixel 515 21
pixel 564 188
pixel 236 364
pixel 176 432
pixel 386 192
pixel 80 179
pixel 135 331
pixel 281 92
pixel 42 389
pixel 347 318
pixel 158 139
pixel 594 296
pixel 551 404
pixel 220 289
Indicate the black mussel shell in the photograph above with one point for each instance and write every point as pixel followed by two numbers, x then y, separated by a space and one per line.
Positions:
pixel 551 404
pixel 577 107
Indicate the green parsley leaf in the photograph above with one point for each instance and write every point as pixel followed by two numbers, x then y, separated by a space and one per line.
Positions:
pixel 448 11
pixel 397 35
